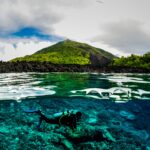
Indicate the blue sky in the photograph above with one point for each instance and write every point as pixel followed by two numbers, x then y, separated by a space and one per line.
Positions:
pixel 29 32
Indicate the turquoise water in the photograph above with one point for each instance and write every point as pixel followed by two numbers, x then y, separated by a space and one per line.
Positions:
pixel 114 106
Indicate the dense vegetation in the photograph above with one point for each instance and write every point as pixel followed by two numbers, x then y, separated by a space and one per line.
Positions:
pixel 69 52
pixel 133 61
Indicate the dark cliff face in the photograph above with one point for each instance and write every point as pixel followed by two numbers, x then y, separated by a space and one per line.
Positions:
pixel 100 61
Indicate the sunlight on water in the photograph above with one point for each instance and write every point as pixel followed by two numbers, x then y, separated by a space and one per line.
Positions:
pixel 21 86
pixel 116 87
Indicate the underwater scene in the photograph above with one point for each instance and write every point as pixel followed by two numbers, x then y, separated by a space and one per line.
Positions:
pixel 74 111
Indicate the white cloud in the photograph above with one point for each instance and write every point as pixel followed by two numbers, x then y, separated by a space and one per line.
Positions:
pixel 22 13
pixel 18 14
pixel 40 14
pixel 18 47
pixel 127 36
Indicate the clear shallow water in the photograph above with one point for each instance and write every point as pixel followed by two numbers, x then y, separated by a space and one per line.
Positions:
pixel 116 87
pixel 116 104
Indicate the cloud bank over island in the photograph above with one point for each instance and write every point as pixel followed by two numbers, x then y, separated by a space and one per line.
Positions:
pixel 120 27
pixel 128 36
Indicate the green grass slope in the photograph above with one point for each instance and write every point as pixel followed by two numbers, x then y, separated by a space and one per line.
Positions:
pixel 70 52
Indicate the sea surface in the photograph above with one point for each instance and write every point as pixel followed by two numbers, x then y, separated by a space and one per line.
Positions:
pixel 115 111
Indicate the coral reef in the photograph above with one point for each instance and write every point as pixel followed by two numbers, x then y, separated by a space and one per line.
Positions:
pixel 100 128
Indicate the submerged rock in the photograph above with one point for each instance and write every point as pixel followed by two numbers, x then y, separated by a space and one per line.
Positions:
pixel 68 145
pixel 92 120
pixel 115 123
pixel 109 136
pixel 127 115
pixel 142 134
pixel 4 130
pixel 85 134
pixel 94 146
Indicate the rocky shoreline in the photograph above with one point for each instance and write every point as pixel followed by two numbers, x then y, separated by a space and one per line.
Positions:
pixel 8 67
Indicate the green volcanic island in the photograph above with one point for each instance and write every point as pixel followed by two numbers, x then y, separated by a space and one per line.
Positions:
pixel 70 52
pixel 73 56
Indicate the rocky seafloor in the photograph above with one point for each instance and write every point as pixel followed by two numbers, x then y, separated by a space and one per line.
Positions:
pixel 105 125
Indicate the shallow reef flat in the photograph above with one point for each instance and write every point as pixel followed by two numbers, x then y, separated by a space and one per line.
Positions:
pixel 104 125
pixel 115 111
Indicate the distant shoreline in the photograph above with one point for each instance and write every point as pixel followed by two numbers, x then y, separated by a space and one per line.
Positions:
pixel 12 67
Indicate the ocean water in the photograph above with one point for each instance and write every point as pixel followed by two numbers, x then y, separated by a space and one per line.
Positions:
pixel 115 111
